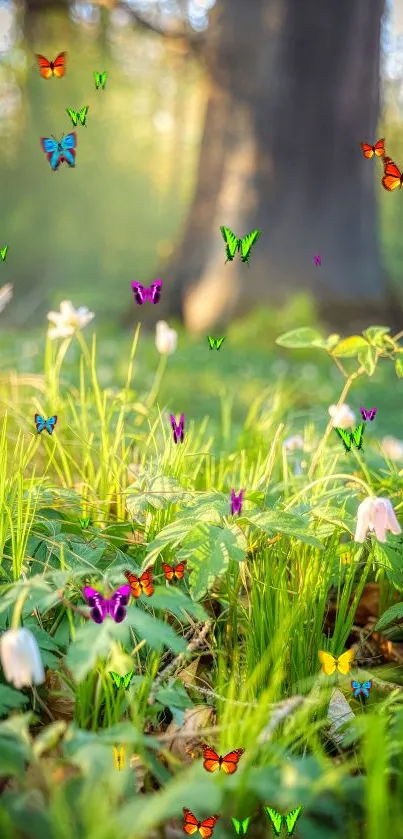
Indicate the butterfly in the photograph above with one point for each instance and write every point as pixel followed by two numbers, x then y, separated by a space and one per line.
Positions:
pixel 178 429
pixel 101 606
pixel 57 152
pixel 56 68
pixel 215 343
pixel 244 246
pixel 191 825
pixel 277 819
pixel 392 177
pixel 361 687
pixel 3 252
pixel 331 663
pixel 119 756
pixel 228 763
pixel 78 116
pixel 140 585
pixel 378 149
pixel 317 259
pixel 236 502
pixel 142 293
pixel 100 80
pixel 368 415
pixel 241 827
pixel 121 681
pixel 85 522
pixel 42 423
pixel 350 437
pixel 174 571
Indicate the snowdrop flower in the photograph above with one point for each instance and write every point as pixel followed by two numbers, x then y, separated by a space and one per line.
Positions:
pixel 293 443
pixel 6 293
pixel 342 416
pixel 376 514
pixel 392 448
pixel 20 658
pixel 166 339
pixel 68 320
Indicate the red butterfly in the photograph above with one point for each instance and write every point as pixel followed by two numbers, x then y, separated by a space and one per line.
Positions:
pixel 228 763
pixel 140 585
pixel 171 571
pixel 191 825
pixel 56 68
pixel 392 177
pixel 378 149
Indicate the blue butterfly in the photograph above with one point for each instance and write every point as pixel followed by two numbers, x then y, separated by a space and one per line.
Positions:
pixel 361 687
pixel 42 423
pixel 57 152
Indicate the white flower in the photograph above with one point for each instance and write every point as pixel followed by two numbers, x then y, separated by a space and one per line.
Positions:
pixel 293 443
pixel 376 514
pixel 342 416
pixel 166 339
pixel 68 320
pixel 392 448
pixel 20 658
pixel 6 293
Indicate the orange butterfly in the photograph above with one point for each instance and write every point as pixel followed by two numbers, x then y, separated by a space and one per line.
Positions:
pixel 191 825
pixel 378 149
pixel 171 571
pixel 56 68
pixel 228 763
pixel 392 177
pixel 140 585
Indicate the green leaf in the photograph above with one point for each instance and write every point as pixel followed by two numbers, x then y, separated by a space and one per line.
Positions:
pixel 93 641
pixel 392 615
pixel 350 347
pixel 367 357
pixel 209 550
pixel 155 493
pixel 299 338
pixel 156 632
pixel 172 599
pixel 399 367
pixel 9 700
pixel 276 522
pixel 49 737
pixel 375 334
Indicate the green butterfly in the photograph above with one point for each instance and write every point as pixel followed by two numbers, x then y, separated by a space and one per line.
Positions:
pixel 241 827
pixel 122 681
pixel 244 246
pixel 85 522
pixel 78 116
pixel 3 252
pixel 100 79
pixel 290 819
pixel 215 342
pixel 350 437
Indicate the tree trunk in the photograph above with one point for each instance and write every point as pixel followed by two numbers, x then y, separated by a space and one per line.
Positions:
pixel 294 89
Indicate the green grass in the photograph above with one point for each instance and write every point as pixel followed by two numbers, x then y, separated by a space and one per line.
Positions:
pixel 262 594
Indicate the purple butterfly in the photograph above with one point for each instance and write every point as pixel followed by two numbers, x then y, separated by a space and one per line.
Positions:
pixel 236 502
pixel 101 606
pixel 317 259
pixel 368 415
pixel 178 429
pixel 142 293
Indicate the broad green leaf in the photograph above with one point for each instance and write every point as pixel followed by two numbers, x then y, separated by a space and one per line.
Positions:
pixel 93 641
pixel 392 615
pixel 389 558
pixel 10 699
pixel 170 536
pixel 172 599
pixel 399 367
pixel 156 493
pixel 375 334
pixel 350 347
pixel 154 631
pixel 276 522
pixel 211 555
pixel 367 357
pixel 299 338
pixel 49 737
pixel 175 696
pixel 327 343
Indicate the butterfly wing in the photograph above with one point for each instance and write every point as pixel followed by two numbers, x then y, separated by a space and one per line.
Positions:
pixel 99 606
pixel 366 687
pixel 344 661
pixel 82 115
pixel 139 293
pixel 155 291
pixel 74 115
pixel 275 819
pixel 134 582
pixel 146 582
pixel 68 144
pixel 346 437
pixel 291 819
pixel 40 422
pixel 179 570
pixel 206 827
pixel 367 150
pixel 50 423
pixel 97 77
pixel 127 679
pixel 3 252
pixel 52 151
pixel 190 822
pixel 211 759
pixel 59 65
pixel 45 66
pixel 372 413
pixel 181 427
pixel 379 148
pixel 219 341
pixel 392 177
pixel 103 78
pixel 247 244
pixel 119 756
pixel 328 662
pixel 115 678
pixel 229 763
pixel 231 242
pixel 358 435
pixel 211 341
pixel 168 570
pixel 356 688
pixel 117 603
pixel 245 825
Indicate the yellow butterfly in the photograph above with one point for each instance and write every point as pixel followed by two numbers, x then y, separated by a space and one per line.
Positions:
pixel 330 663
pixel 119 756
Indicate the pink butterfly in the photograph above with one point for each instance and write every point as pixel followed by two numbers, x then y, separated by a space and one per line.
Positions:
pixel 317 259
pixel 368 415
pixel 236 502
pixel 101 606
pixel 142 293
pixel 178 429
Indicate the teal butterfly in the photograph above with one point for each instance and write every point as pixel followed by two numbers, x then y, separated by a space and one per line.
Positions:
pixel 100 80
pixel 3 252
pixel 241 827
pixel 350 437
pixel 290 819
pixel 121 681
pixel 233 244
pixel 215 343
pixel 85 522
pixel 78 116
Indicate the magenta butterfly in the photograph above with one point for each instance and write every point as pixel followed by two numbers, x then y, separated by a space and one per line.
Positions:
pixel 236 502
pixel 178 429
pixel 317 259
pixel 101 606
pixel 368 415
pixel 142 293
